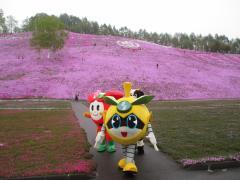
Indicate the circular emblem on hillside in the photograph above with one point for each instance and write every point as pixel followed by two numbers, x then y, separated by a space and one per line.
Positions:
pixel 128 44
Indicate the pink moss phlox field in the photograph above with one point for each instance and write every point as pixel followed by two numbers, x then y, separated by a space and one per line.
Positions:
pixel 65 168
pixel 89 62
pixel 189 162
pixel 80 167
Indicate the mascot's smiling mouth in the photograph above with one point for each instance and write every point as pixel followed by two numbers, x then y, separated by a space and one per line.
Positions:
pixel 124 134
pixel 95 114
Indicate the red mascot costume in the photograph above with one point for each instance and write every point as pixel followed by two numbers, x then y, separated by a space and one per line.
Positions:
pixel 96 110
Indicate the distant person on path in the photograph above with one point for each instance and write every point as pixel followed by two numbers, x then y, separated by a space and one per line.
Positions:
pixel 76 96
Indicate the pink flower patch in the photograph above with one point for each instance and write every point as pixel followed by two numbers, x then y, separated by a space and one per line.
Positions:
pixel 66 168
pixel 2 145
pixel 190 162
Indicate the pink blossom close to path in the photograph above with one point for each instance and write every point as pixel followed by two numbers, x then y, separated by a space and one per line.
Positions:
pixel 66 168
pixel 89 62
pixel 190 162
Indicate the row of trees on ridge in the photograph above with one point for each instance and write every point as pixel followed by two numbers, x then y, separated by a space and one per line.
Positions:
pixel 210 43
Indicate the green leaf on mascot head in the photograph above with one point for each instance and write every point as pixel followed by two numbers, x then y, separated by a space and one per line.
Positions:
pixel 143 100
pixel 110 100
pixel 100 95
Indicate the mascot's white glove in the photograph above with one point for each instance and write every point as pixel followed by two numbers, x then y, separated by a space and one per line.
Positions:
pixel 152 140
pixel 99 139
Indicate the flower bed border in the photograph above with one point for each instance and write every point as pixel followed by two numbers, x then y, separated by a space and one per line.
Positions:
pixel 212 163
pixel 57 177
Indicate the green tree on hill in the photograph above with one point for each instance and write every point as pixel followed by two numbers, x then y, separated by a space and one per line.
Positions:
pixel 3 27
pixel 48 33
pixel 235 46
pixel 11 24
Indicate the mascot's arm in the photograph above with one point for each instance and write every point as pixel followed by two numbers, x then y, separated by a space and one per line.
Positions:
pixel 87 114
pixel 151 135
pixel 101 134
pixel 100 137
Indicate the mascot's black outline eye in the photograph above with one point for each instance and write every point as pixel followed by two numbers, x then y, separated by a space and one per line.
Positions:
pixel 98 107
pixel 131 122
pixel 117 121
pixel 92 107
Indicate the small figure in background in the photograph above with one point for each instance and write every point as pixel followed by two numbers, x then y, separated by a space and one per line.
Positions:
pixel 76 97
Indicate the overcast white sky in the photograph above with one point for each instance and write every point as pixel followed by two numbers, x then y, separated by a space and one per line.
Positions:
pixel 198 16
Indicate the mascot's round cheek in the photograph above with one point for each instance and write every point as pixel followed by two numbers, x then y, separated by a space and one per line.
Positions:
pixel 96 108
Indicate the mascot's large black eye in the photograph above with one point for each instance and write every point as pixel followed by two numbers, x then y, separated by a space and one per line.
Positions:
pixel 98 107
pixel 116 121
pixel 132 121
pixel 92 107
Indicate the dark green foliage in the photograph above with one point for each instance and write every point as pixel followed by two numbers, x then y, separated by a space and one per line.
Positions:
pixel 11 24
pixel 3 27
pixel 48 32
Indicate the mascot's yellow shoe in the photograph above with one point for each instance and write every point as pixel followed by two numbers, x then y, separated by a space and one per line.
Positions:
pixel 122 163
pixel 130 168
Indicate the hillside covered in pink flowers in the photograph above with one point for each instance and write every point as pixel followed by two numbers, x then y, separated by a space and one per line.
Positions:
pixel 89 62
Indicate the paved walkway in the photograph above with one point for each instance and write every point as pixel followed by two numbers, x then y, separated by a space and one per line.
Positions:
pixel 152 165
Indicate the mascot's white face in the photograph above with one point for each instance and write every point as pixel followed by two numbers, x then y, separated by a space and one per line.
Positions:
pixel 132 93
pixel 96 109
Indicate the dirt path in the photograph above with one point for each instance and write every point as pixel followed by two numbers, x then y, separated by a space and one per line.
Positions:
pixel 152 165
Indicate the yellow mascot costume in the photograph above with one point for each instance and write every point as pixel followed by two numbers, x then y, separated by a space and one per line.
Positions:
pixel 127 121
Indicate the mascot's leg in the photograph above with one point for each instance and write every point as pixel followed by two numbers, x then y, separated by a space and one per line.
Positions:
pixel 110 144
pixel 102 146
pixel 122 162
pixel 111 147
pixel 130 166
pixel 140 147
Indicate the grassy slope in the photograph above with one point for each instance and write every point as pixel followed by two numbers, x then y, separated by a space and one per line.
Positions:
pixel 40 142
pixel 196 129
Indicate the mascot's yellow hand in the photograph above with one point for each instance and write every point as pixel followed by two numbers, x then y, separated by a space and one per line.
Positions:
pixel 87 114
